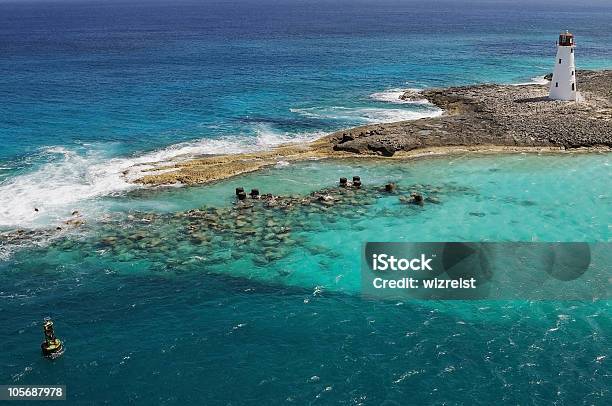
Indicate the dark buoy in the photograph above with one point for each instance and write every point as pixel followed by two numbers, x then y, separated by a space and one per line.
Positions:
pixel 343 182
pixel 52 347
pixel 242 195
pixel 390 187
pixel 254 193
pixel 239 190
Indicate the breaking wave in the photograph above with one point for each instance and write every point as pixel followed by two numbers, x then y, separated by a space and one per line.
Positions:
pixel 365 115
pixel 538 80
pixel 72 178
pixel 393 96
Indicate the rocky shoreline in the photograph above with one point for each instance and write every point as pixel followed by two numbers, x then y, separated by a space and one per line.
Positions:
pixel 484 118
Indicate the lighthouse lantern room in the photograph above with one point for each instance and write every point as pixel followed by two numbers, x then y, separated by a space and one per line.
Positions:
pixel 563 85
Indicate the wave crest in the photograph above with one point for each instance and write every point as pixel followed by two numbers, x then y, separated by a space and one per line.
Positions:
pixel 393 96
pixel 73 178
pixel 366 115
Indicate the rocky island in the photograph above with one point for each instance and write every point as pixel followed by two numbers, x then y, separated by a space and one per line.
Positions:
pixel 480 118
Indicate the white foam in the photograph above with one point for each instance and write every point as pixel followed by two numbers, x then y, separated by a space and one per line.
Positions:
pixel 393 96
pixel 69 182
pixel 538 80
pixel 56 187
pixel 366 114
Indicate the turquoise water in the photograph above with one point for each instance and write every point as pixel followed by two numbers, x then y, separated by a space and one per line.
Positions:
pixel 157 306
pixel 519 197
pixel 90 88
pixel 175 296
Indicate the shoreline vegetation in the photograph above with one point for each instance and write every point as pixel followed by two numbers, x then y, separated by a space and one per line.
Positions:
pixel 487 118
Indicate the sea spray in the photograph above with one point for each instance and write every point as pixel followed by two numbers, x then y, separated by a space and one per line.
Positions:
pixel 395 96
pixel 75 177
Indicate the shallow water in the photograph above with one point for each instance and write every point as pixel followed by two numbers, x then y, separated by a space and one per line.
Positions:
pixel 523 197
pixel 185 314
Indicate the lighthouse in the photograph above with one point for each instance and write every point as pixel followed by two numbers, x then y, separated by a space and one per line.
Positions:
pixel 563 85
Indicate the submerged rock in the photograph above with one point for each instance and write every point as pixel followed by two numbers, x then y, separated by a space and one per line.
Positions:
pixel 432 199
pixel 414 198
pixel 251 228
pixel 75 222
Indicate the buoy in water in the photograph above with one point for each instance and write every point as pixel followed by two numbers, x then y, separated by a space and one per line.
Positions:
pixel 52 347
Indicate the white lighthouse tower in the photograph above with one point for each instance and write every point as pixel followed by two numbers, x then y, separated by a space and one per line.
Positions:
pixel 563 85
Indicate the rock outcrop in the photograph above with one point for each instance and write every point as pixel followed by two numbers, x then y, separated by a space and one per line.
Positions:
pixel 502 115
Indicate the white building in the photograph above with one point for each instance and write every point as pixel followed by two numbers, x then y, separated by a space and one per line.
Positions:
pixel 563 85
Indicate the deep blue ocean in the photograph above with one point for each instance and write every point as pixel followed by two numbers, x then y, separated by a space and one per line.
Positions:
pixel 152 313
